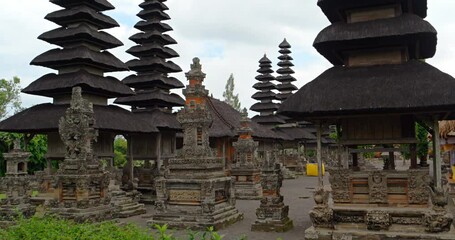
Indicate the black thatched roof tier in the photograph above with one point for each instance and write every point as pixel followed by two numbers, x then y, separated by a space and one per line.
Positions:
pixel 51 85
pixel 81 14
pixel 335 9
pixel 265 65
pixel 154 97
pixel 285 70
pixel 264 106
pixel 412 87
pixel 285 63
pixel 285 78
pixel 285 57
pixel 154 4
pixel 265 77
pixel 268 120
pixel 159 119
pixel 153 25
pixel 79 56
pixel 98 5
pixel 283 96
pixel 152 37
pixel 226 122
pixel 406 30
pixel 264 86
pixel 44 118
pixel 155 14
pixel 153 64
pixel 286 87
pixel 81 33
pixel 264 95
pixel 152 49
pixel 158 80
pixel 296 133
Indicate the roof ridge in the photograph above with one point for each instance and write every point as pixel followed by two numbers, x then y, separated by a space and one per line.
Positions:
pixel 219 114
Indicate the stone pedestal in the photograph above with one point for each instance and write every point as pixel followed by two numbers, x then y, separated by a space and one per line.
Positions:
pixel 272 214
pixel 247 183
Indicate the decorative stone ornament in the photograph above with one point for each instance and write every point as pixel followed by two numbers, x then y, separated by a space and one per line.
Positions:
pixel 194 191
pixel 16 160
pixel 272 214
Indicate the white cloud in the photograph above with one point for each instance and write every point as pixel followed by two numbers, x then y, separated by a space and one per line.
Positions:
pixel 229 37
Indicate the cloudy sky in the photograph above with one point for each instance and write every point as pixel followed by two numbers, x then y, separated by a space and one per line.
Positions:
pixel 228 36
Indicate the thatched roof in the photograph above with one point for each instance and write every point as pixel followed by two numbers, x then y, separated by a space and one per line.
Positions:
pixel 152 49
pixel 44 118
pixel 156 79
pixel 446 128
pixel 80 33
pixel 99 5
pixel 159 119
pixel 335 9
pixel 411 87
pixel 226 122
pixel 296 133
pixel 60 58
pixel 147 64
pixel 51 85
pixel 154 4
pixel 268 119
pixel 419 35
pixel 152 36
pixel 154 97
pixel 153 25
pixel 79 14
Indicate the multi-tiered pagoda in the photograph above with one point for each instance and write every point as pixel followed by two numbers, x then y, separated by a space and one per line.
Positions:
pixel 285 72
pixel 376 92
pixel 152 83
pixel 80 60
pixel 153 101
pixel 266 107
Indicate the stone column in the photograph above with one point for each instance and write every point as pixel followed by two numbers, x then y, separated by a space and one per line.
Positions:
pixel 437 173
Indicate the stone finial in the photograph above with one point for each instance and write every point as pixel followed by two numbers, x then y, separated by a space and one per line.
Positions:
pixel 17 144
pixel 244 113
pixel 196 71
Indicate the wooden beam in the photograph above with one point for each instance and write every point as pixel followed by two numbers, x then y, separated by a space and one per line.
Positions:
pixel 437 173
pixel 368 150
pixel 319 154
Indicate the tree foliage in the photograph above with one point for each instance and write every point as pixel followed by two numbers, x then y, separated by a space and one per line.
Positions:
pixel 422 141
pixel 10 100
pixel 229 96
pixel 120 151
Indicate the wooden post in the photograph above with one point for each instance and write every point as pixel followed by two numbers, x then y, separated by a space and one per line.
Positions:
pixel 159 161
pixel 391 160
pixel 437 173
pixel 319 154
pixel 413 151
pixel 130 159
pixel 355 161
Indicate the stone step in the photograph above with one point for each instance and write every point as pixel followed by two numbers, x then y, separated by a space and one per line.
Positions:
pixel 126 214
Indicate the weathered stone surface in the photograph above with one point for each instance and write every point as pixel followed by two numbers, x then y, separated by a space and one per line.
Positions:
pixel 194 191
pixel 81 184
pixel 272 214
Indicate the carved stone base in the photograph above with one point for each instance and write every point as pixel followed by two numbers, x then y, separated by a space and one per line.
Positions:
pixel 438 221
pixel 273 226
pixel 93 214
pixel 247 184
pixel 322 217
pixel 11 212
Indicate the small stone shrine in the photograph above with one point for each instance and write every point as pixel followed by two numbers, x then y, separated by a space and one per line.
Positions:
pixel 376 92
pixel 16 186
pixel 194 191
pixel 81 184
pixel 272 214
pixel 245 170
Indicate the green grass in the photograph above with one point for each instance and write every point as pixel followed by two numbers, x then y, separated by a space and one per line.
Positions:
pixel 51 228
pixel 35 193
pixel 2 196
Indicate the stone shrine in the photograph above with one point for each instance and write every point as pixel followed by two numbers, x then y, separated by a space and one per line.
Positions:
pixel 245 170
pixel 272 214
pixel 81 184
pixel 16 186
pixel 194 191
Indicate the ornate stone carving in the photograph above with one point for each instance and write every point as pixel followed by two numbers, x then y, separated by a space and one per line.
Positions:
pixel 194 191
pixel 272 214
pixel 377 182
pixel 418 184
pixel 321 215
pixel 436 222
pixel 340 182
pixel 378 220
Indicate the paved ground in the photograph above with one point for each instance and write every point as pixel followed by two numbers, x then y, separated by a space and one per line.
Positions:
pixel 297 194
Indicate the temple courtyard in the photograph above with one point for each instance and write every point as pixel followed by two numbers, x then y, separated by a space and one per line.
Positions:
pixel 297 194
